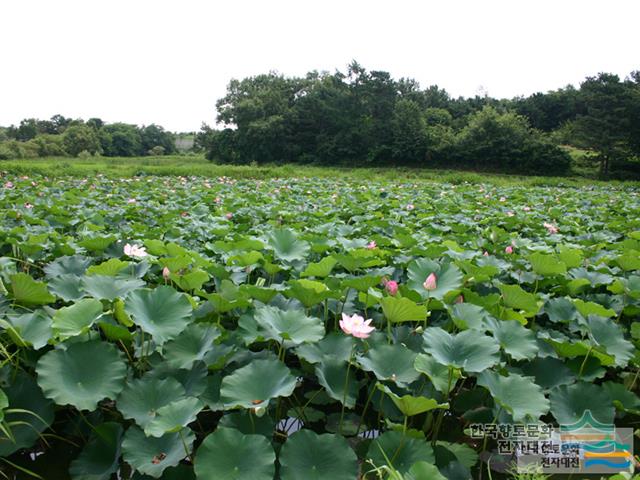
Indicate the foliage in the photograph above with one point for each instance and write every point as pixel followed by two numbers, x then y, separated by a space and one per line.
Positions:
pixel 223 343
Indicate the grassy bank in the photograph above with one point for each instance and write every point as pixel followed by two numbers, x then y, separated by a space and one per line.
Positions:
pixel 198 165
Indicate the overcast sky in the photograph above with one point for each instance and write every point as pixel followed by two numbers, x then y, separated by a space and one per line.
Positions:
pixel 166 62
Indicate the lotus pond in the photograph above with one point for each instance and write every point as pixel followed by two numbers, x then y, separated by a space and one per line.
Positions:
pixel 181 328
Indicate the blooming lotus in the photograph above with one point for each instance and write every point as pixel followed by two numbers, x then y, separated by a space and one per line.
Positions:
pixel 356 325
pixel 371 245
pixel 28 205
pixel 410 206
pixel 135 251
pixel 551 228
pixel 166 273
pixel 392 287
pixel 431 282
pixel 132 200
pixel 229 216
pixel 508 249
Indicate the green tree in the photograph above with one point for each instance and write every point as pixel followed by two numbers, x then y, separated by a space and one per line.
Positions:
pixel 610 119
pixel 505 142
pixel 153 136
pixel 79 138
pixel 121 140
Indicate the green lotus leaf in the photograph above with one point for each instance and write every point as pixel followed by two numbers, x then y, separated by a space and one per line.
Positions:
pixel 547 265
pixel 286 245
pixel 247 422
pixel 623 399
pixel 194 280
pixel 410 405
pixel 69 376
pixel 109 288
pixel 264 295
pixel 142 398
pixel 228 454
pixel 448 277
pixel 560 310
pixel 441 376
pixel 99 457
pixel 593 308
pixel 192 345
pixel 401 309
pixel 291 325
pixel 309 292
pixel 424 471
pixel 516 340
pixel 518 395
pixel 569 403
pixel 111 267
pixel 390 362
pixel 469 316
pixel 607 334
pixel 362 284
pixel 97 244
pixel 174 416
pixel 548 372
pixel 571 257
pixel 76 319
pixel 74 265
pixel 464 454
pixel 334 345
pixel 467 350
pixel 67 287
pixel 32 413
pixel 515 297
pixel 152 455
pixel 162 312
pixel 399 452
pixel 307 455
pixel 332 374
pixel 29 329
pixel 255 384
pixel 211 394
pixel 320 269
pixel 27 291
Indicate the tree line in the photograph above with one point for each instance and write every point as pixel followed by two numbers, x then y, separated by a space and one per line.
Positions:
pixel 367 118
pixel 60 136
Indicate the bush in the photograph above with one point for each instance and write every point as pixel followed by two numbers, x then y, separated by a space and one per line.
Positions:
pixel 505 142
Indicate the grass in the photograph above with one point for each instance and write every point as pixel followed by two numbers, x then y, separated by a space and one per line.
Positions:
pixel 188 165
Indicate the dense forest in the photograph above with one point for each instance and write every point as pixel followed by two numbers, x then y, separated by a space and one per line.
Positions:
pixel 62 136
pixel 367 118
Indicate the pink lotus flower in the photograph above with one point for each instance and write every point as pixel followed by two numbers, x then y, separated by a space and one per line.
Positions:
pixel 131 200
pixel 526 208
pixel 392 287
pixel 166 273
pixel 503 199
pixel 28 205
pixel 371 245
pixel 508 249
pixel 356 325
pixel 459 299
pixel 551 228
pixel 486 254
pixel 229 216
pixel 431 282
pixel 410 206
pixel 135 251
pixel 8 185
pixel 510 214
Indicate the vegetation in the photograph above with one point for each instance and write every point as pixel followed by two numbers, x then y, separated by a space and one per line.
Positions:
pixel 62 136
pixel 367 118
pixel 194 164
pixel 199 328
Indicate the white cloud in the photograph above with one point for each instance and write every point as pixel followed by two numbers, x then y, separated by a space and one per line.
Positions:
pixel 166 62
